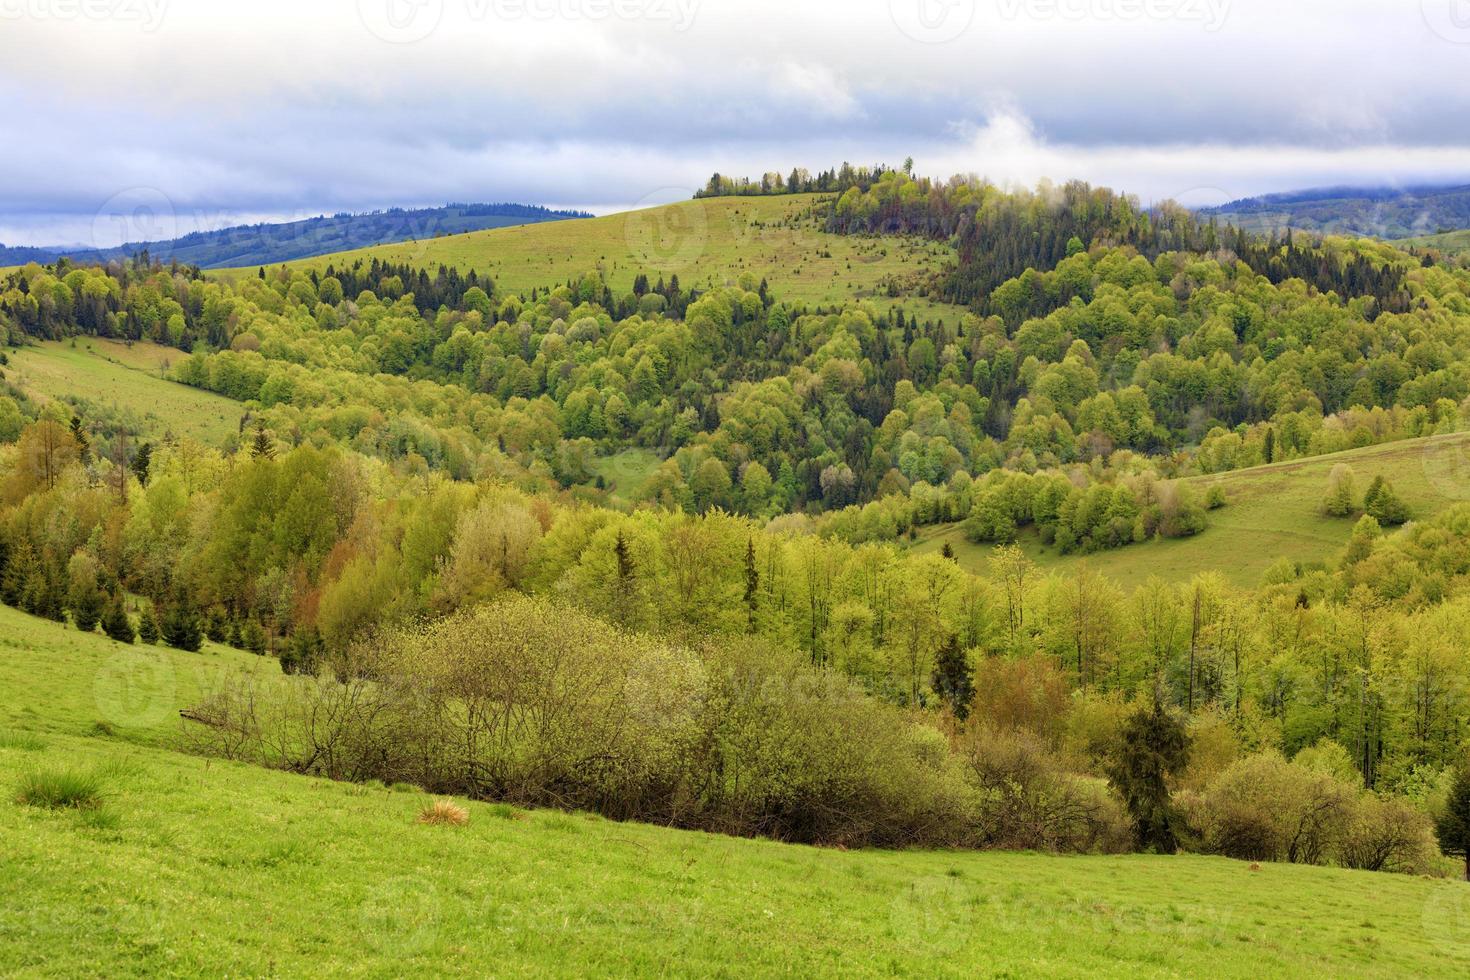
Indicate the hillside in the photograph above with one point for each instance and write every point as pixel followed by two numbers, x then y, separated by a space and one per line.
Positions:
pixel 268 243
pixel 1271 512
pixel 197 866
pixel 705 242
pixel 1379 212
pixel 1450 242
pixel 101 377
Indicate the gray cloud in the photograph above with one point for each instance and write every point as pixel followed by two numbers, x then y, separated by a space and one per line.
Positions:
pixel 246 111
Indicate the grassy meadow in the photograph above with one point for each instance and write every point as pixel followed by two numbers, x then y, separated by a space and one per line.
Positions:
pixel 127 378
pixel 171 864
pixel 1271 512
pixel 704 242
pixel 1452 242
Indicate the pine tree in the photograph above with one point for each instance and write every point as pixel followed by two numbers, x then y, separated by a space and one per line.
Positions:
pixel 952 679
pixel 87 606
pixel 303 652
pixel 1383 505
pixel 252 638
pixel 84 446
pixel 752 583
pixel 1154 746
pixel 181 628
pixel 1452 827
pixel 262 447
pixel 148 626
pixel 1269 450
pixel 218 628
pixel 115 622
pixel 142 460
pixel 1339 499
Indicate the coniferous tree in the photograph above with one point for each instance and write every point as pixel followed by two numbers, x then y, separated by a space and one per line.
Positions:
pixel 1154 747
pixel 115 622
pixel 952 678
pixel 252 638
pixel 1452 826
pixel 181 628
pixel 87 606
pixel 752 584
pixel 303 652
pixel 142 460
pixel 148 626
pixel 262 447
pixel 84 446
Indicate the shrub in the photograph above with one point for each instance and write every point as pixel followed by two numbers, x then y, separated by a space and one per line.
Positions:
pixel 444 812
pixel 57 789
pixel 1339 499
pixel 147 627
pixel 1265 808
pixel 1027 801
pixel 1386 834
pixel 1215 497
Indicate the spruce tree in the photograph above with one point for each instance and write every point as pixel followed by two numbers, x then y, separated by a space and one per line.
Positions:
pixel 87 606
pixel 181 628
pixel 1452 827
pixel 115 622
pixel 1154 747
pixel 262 447
pixel 142 460
pixel 148 626
pixel 952 679
pixel 252 638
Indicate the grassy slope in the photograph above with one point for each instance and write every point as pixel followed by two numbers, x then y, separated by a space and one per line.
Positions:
pixel 702 242
pixel 128 378
pixel 1453 242
pixel 214 867
pixel 1272 511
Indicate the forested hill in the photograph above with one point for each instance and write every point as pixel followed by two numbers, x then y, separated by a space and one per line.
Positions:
pixel 1380 212
pixel 265 244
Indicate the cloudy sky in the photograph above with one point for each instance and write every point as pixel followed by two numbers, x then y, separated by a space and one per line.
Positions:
pixel 149 118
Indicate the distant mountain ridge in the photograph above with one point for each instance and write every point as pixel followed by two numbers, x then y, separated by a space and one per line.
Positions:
pixel 1382 212
pixel 269 243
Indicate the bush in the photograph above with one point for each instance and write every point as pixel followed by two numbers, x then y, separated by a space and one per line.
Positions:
pixel 537 704
pixel 444 812
pixel 1386 834
pixel 1265 808
pixel 56 789
pixel 1028 802
pixel 1339 499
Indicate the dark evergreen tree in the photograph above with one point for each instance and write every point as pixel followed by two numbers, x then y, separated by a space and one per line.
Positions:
pixel 87 606
pixel 142 460
pixel 252 638
pixel 262 447
pixel 953 680
pixel 1154 747
pixel 302 653
pixel 181 628
pixel 1452 826
pixel 148 626
pixel 752 584
pixel 115 622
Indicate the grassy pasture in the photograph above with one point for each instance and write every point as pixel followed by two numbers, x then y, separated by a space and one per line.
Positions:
pixel 169 864
pixel 1271 512
pixel 705 242
pixel 128 378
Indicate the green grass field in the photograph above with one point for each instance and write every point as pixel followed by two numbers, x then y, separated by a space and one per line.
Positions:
pixel 704 242
pixel 128 378
pixel 1271 512
pixel 626 472
pixel 1453 242
pixel 195 866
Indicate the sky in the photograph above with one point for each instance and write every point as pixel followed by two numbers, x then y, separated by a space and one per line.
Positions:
pixel 144 119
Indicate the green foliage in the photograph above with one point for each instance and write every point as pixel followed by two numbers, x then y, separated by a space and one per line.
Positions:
pixel 147 626
pixel 58 788
pixel 1153 747
pixel 1452 826
pixel 115 622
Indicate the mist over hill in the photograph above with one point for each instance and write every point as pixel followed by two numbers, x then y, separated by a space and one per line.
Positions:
pixel 1382 212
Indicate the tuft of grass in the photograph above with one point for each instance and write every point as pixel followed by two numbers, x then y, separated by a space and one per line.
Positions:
pixel 404 788
pixel 504 811
pixel 22 741
pixel 58 789
pixel 444 812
